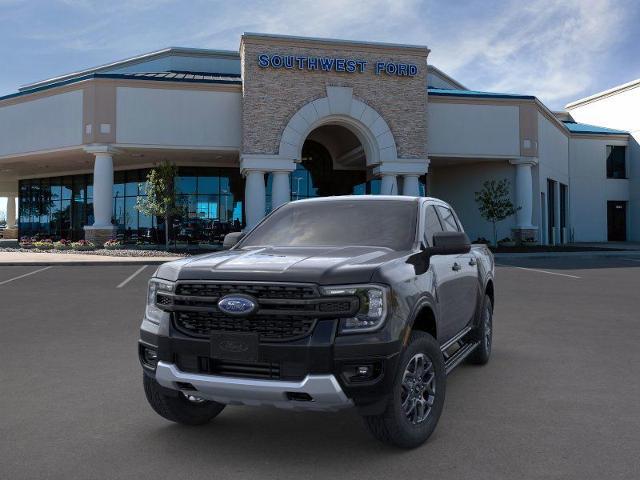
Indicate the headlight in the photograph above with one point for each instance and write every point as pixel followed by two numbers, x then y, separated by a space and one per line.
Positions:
pixel 374 300
pixel 152 312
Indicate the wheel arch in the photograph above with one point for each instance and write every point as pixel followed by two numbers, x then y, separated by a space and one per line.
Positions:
pixel 424 319
pixel 489 290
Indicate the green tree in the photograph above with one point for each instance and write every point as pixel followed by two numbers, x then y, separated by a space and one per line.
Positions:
pixel 494 203
pixel 160 199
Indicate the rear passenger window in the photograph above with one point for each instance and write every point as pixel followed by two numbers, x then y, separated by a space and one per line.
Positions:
pixel 431 225
pixel 449 222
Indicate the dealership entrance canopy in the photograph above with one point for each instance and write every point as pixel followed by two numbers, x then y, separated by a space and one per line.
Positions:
pixel 288 118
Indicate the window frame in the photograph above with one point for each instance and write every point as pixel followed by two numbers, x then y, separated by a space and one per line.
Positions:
pixel 608 150
pixel 424 235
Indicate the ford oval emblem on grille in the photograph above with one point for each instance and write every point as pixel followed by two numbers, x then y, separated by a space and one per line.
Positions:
pixel 238 305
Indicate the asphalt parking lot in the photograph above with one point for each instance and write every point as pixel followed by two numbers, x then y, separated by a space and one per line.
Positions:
pixel 559 399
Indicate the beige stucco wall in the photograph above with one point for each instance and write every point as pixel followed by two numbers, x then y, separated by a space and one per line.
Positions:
pixel 50 122
pixel 178 117
pixel 460 129
pixel 272 96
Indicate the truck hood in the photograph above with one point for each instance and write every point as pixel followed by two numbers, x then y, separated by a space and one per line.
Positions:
pixel 321 265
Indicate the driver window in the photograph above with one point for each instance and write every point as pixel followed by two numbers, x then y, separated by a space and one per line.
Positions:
pixel 448 220
pixel 431 225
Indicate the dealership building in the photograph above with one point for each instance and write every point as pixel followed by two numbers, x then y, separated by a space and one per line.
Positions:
pixel 287 118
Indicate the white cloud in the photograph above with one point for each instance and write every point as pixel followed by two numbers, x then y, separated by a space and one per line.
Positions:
pixel 546 48
pixel 552 49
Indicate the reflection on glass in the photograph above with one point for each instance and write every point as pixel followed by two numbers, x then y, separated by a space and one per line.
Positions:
pixel 186 185
pixel 62 206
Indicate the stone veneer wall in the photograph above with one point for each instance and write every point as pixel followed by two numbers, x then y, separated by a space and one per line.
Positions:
pixel 272 96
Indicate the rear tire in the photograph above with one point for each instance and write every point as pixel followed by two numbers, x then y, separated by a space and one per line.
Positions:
pixel 481 354
pixel 400 424
pixel 179 408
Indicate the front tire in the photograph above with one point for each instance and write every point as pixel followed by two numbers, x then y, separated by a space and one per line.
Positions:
pixel 417 398
pixel 179 409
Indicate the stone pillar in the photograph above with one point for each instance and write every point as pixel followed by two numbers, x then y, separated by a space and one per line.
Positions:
pixel 411 185
pixel 524 198
pixel 253 166
pixel 11 232
pixel 389 185
pixel 102 229
pixel 11 212
pixel 254 197
pixel 280 189
pixel 410 171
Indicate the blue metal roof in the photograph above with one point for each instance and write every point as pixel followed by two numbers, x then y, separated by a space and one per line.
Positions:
pixel 575 127
pixel 445 92
pixel 188 77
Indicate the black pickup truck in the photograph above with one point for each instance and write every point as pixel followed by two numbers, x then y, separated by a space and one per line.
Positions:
pixel 328 303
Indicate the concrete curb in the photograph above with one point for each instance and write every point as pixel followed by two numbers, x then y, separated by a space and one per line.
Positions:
pixel 616 253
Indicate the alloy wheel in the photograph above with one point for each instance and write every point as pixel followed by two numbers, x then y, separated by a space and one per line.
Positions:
pixel 418 388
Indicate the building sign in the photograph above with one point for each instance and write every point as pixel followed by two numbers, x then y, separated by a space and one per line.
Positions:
pixel 334 64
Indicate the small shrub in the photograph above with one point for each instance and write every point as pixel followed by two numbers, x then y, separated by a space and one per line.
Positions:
pixel 26 242
pixel 113 244
pixel 43 244
pixel 83 245
pixel 62 245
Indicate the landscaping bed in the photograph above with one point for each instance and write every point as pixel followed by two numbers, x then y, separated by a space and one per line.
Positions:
pixel 101 252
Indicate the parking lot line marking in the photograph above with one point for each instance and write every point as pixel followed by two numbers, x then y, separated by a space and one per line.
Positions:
pixel 25 275
pixel 132 276
pixel 632 259
pixel 541 271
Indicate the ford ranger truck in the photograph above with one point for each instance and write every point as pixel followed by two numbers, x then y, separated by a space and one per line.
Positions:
pixel 364 302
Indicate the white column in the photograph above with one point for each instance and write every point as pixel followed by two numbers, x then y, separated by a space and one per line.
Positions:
pixel 524 193
pixel 280 189
pixel 254 197
pixel 411 185
pixel 389 186
pixel 11 212
pixel 103 189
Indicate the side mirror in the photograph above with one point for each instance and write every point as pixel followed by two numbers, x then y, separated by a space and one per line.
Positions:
pixel 230 239
pixel 450 243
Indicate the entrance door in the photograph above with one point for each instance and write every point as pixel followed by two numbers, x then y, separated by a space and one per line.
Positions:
pixel 617 221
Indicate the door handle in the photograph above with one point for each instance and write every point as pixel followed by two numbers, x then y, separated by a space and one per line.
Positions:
pixel 456 266
pixel 472 262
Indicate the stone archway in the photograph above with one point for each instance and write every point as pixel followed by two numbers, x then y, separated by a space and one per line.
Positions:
pixel 339 107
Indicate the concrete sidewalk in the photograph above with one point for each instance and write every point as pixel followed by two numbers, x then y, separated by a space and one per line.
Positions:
pixel 37 259
pixel 593 253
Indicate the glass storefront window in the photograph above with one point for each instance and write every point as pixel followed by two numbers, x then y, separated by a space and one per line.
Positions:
pixel 60 207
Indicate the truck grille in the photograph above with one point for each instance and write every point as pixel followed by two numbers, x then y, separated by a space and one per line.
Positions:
pixel 285 311
pixel 205 365
pixel 269 327
pixel 259 291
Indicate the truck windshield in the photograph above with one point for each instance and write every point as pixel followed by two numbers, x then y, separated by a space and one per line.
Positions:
pixel 337 223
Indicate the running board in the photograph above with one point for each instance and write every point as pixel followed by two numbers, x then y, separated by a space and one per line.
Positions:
pixel 463 352
pixel 455 339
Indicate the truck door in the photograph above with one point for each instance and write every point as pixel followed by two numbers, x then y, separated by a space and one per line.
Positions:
pixel 445 279
pixel 465 282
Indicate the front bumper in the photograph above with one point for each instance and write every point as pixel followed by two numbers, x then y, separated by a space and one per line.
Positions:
pixel 314 392
pixel 314 367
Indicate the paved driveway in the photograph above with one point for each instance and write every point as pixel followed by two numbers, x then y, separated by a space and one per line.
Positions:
pixel 559 399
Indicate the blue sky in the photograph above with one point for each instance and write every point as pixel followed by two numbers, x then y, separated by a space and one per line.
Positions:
pixel 557 50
